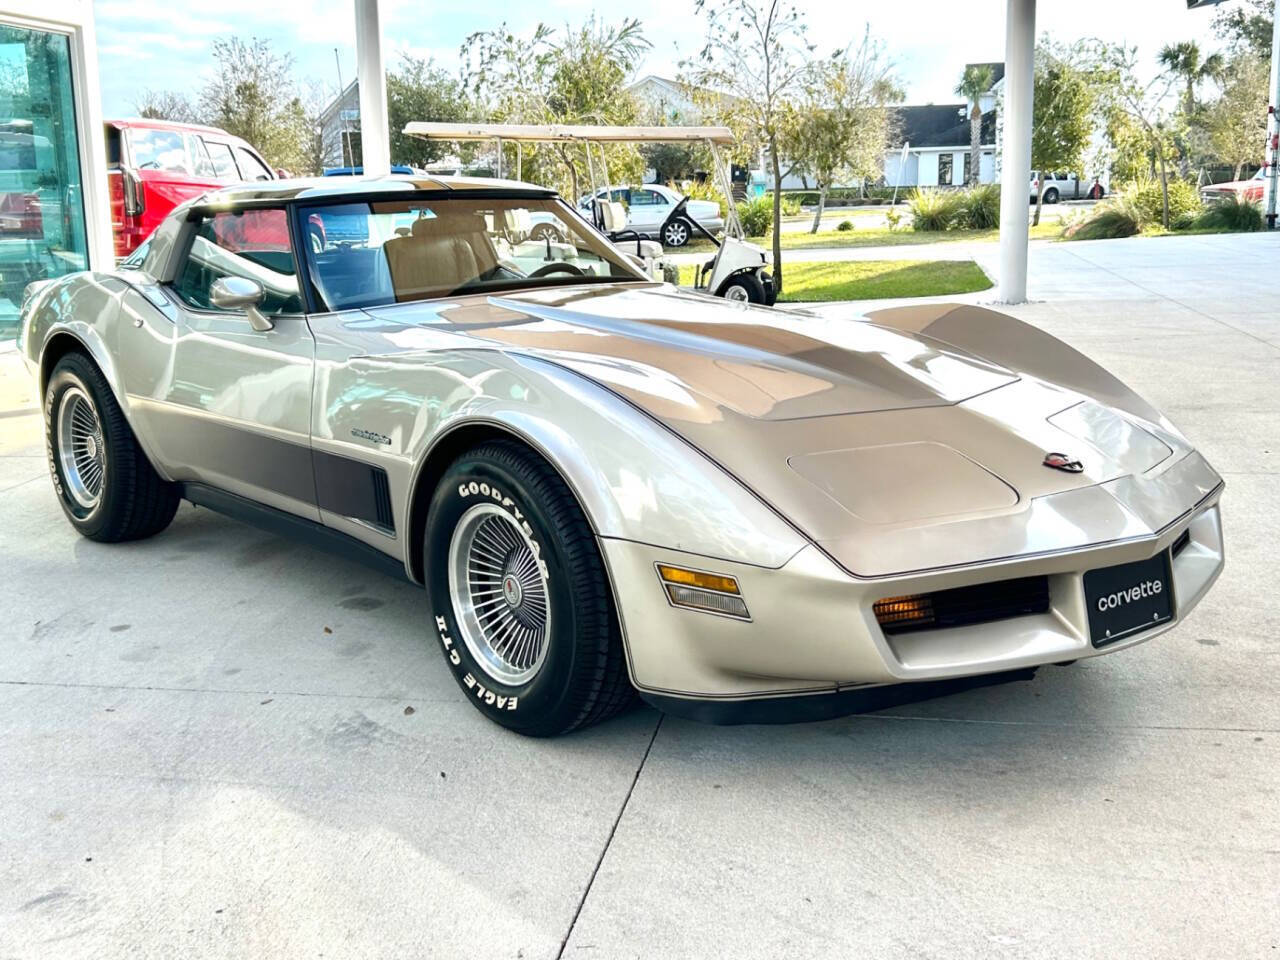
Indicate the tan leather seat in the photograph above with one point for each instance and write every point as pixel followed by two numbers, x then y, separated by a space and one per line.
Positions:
pixel 431 261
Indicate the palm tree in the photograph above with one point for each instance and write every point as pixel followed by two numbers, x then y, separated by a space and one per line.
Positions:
pixel 1183 60
pixel 976 81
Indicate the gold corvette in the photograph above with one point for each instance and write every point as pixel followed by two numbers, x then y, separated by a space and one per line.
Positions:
pixel 608 485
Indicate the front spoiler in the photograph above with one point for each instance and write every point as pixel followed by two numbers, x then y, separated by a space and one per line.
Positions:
pixel 812 707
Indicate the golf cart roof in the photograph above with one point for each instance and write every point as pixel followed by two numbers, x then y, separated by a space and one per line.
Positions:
pixel 551 133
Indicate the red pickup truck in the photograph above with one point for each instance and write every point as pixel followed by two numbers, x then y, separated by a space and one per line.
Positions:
pixel 1250 189
pixel 154 165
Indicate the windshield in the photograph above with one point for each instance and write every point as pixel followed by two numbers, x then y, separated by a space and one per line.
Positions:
pixel 373 253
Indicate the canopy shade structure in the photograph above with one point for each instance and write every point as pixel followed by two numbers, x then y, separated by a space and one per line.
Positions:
pixel 575 133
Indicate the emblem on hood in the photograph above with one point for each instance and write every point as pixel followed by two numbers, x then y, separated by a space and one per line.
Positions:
pixel 1060 461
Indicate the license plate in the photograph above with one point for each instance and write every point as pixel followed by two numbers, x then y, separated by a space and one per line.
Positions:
pixel 1128 599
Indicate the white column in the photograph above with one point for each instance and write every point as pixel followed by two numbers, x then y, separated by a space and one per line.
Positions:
pixel 375 142
pixel 1272 157
pixel 1015 172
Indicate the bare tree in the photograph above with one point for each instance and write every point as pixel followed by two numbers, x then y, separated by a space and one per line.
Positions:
pixel 253 95
pixel 840 129
pixel 315 99
pixel 166 105
pixel 757 57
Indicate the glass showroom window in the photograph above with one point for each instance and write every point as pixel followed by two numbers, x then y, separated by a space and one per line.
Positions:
pixel 42 230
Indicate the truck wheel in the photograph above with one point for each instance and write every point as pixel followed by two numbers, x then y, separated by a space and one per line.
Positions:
pixel 1051 195
pixel 519 598
pixel 745 288
pixel 105 484
pixel 676 233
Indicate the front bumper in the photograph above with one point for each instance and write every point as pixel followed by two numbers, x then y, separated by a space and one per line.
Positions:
pixel 813 632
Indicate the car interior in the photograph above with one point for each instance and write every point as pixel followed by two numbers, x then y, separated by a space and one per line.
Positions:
pixel 367 254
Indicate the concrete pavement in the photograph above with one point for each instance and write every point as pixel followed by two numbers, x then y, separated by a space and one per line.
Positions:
pixel 218 743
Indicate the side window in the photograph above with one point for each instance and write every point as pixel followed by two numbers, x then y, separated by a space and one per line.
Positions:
pixel 244 243
pixel 645 198
pixel 224 165
pixel 159 150
pixel 251 168
pixel 200 157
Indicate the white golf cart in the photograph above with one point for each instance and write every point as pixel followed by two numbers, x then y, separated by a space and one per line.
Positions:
pixel 738 271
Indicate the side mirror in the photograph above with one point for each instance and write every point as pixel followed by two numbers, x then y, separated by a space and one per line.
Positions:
pixel 241 293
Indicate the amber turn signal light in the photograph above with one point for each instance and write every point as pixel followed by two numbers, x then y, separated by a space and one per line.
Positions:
pixel 696 578
pixel 916 609
pixel 706 592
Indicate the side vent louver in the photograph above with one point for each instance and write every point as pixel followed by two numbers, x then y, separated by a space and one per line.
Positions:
pixel 382 500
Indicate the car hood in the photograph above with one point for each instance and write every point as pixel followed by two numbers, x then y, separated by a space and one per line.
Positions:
pixel 892 450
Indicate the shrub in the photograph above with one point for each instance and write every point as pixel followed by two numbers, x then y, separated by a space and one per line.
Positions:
pixel 934 209
pixel 790 204
pixel 979 207
pixel 1118 217
pixel 756 216
pixel 893 216
pixel 670 273
pixel 1231 213
pixel 845 226
pixel 1147 199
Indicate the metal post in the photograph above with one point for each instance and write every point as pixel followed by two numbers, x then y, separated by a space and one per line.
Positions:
pixel 499 143
pixel 1271 180
pixel 732 226
pixel 375 143
pixel 1019 77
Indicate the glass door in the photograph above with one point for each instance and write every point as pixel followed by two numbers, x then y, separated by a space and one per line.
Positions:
pixel 42 226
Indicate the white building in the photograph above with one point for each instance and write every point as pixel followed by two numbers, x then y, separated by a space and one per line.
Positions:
pixel 340 128
pixel 936 138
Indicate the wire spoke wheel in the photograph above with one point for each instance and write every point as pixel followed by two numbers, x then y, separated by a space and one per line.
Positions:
pixel 81 448
pixel 499 594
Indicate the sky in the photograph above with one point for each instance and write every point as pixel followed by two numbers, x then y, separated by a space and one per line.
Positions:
pixel 165 44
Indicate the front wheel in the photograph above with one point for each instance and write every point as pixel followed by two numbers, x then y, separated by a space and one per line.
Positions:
pixel 520 603
pixel 106 486
pixel 744 288
pixel 676 233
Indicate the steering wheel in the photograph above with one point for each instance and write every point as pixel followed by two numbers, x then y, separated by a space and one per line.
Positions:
pixel 550 268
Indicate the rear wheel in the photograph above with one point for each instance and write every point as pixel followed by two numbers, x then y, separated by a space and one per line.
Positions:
pixel 1051 195
pixel 518 593
pixel 105 484
pixel 676 233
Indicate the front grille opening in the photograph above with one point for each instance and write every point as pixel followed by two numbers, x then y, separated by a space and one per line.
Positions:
pixel 981 603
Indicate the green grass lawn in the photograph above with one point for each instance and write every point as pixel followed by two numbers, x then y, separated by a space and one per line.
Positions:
pixel 876 237
pixel 873 279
